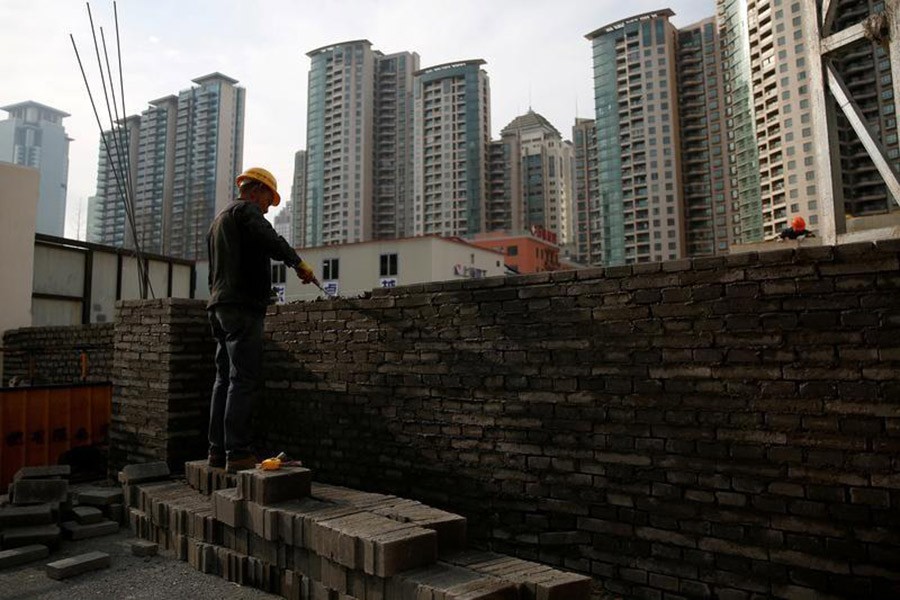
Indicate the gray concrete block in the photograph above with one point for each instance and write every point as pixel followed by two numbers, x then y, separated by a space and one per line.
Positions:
pixel 269 487
pixel 144 548
pixel 23 555
pixel 400 550
pixel 43 472
pixel 69 567
pixel 116 512
pixel 100 496
pixel 77 531
pixel 17 537
pixel 19 516
pixel 39 491
pixel 134 474
pixel 228 507
pixel 87 514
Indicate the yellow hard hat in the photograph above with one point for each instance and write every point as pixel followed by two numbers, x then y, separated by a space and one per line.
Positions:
pixel 264 177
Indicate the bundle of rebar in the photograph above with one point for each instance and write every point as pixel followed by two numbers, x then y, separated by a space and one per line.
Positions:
pixel 115 144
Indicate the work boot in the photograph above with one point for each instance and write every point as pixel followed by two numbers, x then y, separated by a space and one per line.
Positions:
pixel 233 465
pixel 216 460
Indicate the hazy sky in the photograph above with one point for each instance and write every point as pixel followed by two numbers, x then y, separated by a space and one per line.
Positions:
pixel 535 50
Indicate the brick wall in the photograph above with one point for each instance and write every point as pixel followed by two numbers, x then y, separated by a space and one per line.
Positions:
pixel 723 427
pixel 52 355
pixel 162 378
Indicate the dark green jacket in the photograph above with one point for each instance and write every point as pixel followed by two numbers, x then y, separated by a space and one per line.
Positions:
pixel 241 243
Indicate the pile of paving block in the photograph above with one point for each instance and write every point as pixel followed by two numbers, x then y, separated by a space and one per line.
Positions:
pixel 281 532
pixel 42 508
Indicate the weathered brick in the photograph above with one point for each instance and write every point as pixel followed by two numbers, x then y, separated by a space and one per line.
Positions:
pixel 17 516
pixel 76 565
pixel 100 496
pixel 43 472
pixel 142 473
pixel 144 548
pixel 78 531
pixel 22 555
pixel 39 491
pixel 16 537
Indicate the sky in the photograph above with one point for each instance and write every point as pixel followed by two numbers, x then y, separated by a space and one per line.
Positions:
pixel 536 53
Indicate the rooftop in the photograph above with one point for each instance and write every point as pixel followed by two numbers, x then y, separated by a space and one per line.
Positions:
pixel 530 120
pixel 451 65
pixel 31 103
pixel 647 16
pixel 214 76
pixel 330 47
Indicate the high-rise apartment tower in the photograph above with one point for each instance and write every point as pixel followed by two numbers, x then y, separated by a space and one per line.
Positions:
pixel 183 155
pixel 587 239
pixel 34 136
pixel 545 166
pixel 706 183
pixel 451 148
pixel 638 139
pixel 359 145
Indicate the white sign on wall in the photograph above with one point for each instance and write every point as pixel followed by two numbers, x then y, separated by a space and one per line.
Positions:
pixel 278 288
pixel 388 282
pixel 469 271
pixel 330 287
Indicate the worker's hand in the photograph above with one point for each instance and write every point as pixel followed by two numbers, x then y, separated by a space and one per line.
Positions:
pixel 305 272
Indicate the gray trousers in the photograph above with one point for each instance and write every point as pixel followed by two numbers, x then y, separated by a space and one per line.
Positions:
pixel 239 333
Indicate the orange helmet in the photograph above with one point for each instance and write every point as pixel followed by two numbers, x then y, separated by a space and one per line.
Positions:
pixel 798 224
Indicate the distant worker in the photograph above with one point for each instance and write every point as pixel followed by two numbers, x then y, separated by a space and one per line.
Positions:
pixel 241 242
pixel 797 230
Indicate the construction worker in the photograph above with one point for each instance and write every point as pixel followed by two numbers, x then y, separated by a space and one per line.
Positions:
pixel 241 243
pixel 797 230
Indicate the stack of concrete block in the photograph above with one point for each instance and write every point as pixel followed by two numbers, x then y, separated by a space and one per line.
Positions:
pixel 205 479
pixel 96 511
pixel 44 506
pixel 278 531
pixel 37 497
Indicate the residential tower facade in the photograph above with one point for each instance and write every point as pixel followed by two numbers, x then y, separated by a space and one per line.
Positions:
pixel 638 140
pixel 34 136
pixel 545 167
pixel 704 141
pixel 451 148
pixel 183 155
pixel 587 239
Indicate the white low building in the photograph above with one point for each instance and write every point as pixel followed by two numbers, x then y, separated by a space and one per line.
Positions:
pixel 350 270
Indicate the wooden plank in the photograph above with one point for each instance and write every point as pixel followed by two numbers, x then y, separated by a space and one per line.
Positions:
pixel 101 407
pixel 80 411
pixel 12 420
pixel 58 425
pixel 36 411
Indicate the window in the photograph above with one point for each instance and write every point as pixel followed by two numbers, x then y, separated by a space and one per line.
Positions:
pixel 513 251
pixel 330 268
pixel 279 273
pixel 388 265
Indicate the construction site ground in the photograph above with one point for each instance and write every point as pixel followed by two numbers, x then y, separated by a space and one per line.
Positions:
pixel 128 578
